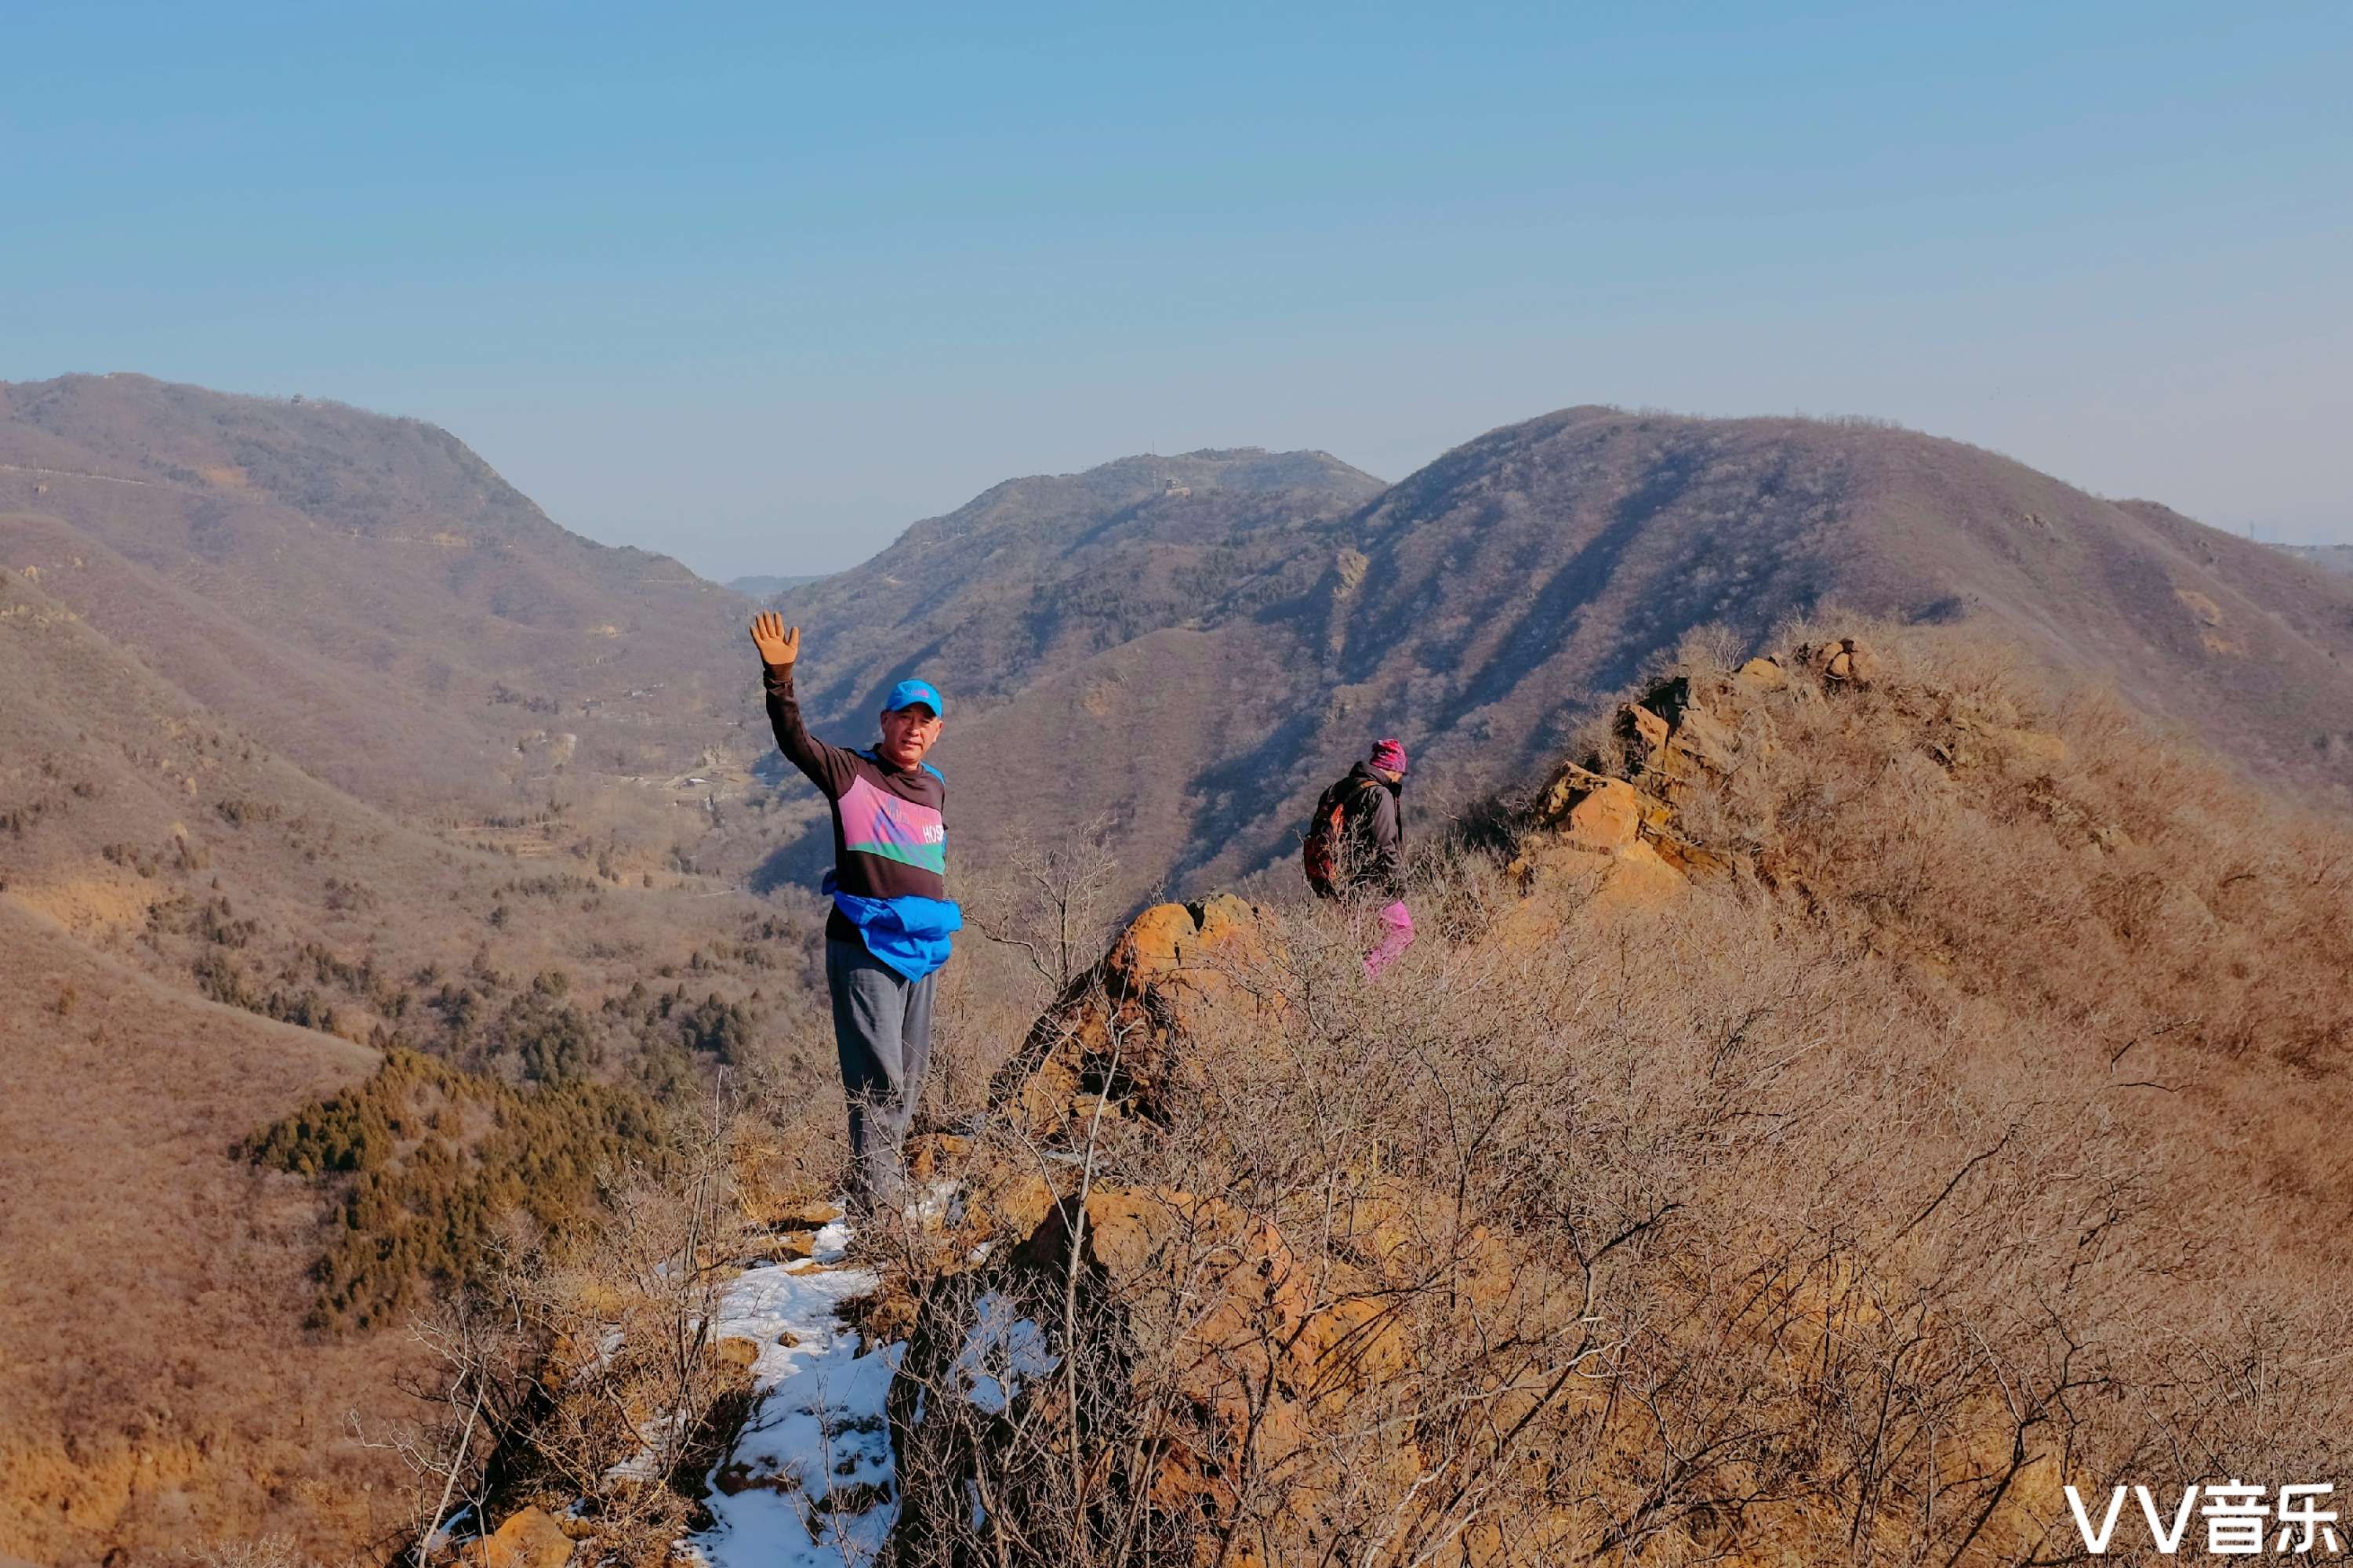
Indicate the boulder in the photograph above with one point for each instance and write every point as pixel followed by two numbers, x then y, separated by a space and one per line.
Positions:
pixel 1701 743
pixel 1841 661
pixel 1569 806
pixel 1583 817
pixel 1646 728
pixel 530 1538
pixel 1673 733
pixel 1110 1041
pixel 1608 817
pixel 1639 876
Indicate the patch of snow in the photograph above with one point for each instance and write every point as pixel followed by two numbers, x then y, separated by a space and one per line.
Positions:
pixel 935 1207
pixel 831 1243
pixel 814 1479
pixel 1002 1353
pixel 450 1528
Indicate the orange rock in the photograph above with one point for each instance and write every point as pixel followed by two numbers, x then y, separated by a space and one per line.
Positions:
pixel 1572 786
pixel 784 1204
pixel 806 1214
pixel 1701 743
pixel 1638 876
pixel 1007 1203
pixel 933 1155
pixel 794 1245
pixel 527 1540
pixel 1608 817
pixel 1846 660
pixel 1648 728
pixel 1112 1038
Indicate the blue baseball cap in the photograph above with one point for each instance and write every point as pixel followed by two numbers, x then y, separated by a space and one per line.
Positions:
pixel 908 693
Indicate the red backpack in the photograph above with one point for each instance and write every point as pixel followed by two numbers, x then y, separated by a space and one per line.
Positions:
pixel 1319 856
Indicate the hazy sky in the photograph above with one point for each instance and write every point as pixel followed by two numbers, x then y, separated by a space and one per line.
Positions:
pixel 760 284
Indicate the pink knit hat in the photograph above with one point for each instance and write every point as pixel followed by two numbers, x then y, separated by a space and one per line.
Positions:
pixel 1388 754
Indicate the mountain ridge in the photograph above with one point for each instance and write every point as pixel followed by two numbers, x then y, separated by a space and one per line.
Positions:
pixel 1482 604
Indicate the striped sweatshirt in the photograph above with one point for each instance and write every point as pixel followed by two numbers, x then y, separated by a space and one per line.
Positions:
pixel 890 827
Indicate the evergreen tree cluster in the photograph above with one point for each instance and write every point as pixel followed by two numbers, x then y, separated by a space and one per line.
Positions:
pixel 436 1160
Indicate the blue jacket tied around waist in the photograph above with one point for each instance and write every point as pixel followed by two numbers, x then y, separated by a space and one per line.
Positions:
pixel 909 934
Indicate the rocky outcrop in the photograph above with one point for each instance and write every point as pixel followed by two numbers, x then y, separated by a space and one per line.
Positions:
pixel 1247 1355
pixel 530 1538
pixel 1686 730
pixel 1622 831
pixel 1587 823
pixel 1106 1046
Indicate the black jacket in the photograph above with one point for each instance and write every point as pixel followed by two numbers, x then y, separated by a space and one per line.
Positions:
pixel 1372 824
pixel 889 825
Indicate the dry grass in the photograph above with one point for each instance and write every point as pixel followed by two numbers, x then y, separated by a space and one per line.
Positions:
pixel 154 1389
pixel 1841 1211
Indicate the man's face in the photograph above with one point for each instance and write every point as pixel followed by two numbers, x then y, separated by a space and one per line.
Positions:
pixel 907 733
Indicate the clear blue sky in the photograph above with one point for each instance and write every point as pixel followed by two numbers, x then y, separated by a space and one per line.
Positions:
pixel 760 284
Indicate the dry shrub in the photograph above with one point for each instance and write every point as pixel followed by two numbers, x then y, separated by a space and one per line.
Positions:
pixel 1036 916
pixel 585 1369
pixel 1843 1211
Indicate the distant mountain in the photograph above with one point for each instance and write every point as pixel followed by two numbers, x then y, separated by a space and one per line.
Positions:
pixel 1199 666
pixel 1185 644
pixel 1013 595
pixel 1037 574
pixel 2330 557
pixel 364 591
pixel 769 587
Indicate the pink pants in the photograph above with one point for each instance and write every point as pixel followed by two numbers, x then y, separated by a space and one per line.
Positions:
pixel 1396 935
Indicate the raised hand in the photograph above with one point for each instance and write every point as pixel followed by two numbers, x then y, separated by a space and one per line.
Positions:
pixel 778 644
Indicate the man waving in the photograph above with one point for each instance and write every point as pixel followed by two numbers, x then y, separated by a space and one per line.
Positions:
pixel 888 934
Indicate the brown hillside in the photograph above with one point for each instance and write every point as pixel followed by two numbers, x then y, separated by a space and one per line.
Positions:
pixel 1549 559
pixel 1035 575
pixel 363 591
pixel 155 1386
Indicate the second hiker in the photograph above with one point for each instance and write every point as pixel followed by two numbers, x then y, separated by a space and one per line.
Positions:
pixel 889 932
pixel 1355 846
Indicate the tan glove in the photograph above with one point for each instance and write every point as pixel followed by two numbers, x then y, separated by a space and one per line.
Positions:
pixel 779 645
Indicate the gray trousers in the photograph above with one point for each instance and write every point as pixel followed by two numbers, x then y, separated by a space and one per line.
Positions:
pixel 882 1030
